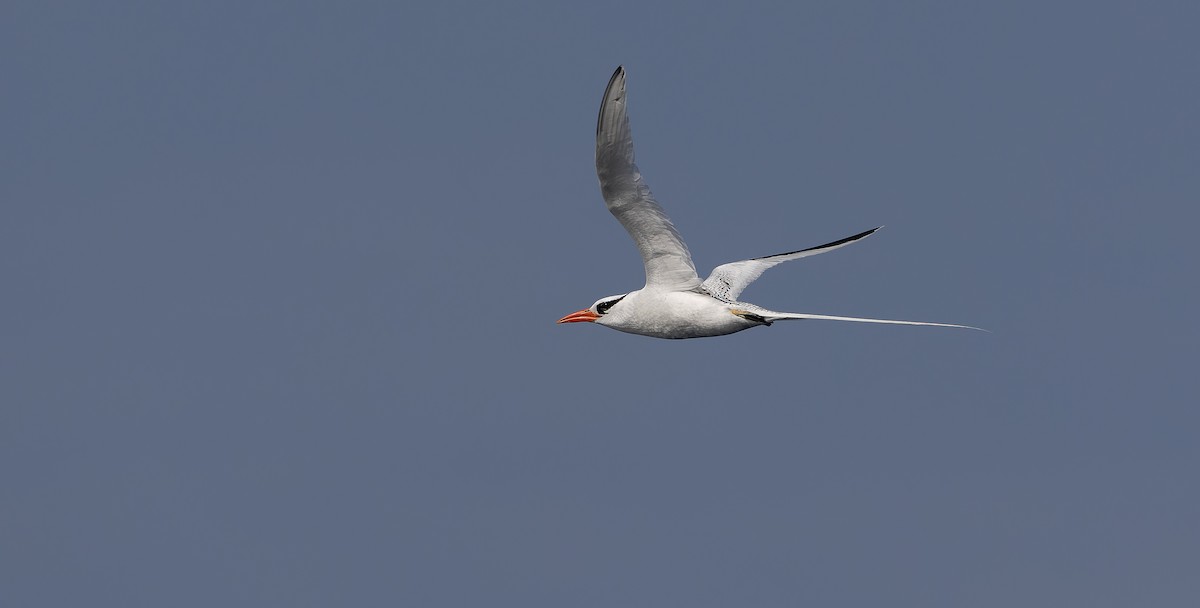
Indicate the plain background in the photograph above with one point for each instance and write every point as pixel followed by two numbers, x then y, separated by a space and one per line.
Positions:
pixel 280 283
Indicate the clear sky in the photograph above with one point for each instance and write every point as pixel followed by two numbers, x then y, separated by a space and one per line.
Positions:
pixel 280 283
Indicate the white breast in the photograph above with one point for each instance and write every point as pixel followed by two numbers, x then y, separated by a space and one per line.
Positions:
pixel 673 314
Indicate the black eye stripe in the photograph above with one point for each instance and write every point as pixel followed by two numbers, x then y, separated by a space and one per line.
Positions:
pixel 602 307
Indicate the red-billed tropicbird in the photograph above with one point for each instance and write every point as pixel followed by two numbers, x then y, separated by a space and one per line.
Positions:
pixel 675 303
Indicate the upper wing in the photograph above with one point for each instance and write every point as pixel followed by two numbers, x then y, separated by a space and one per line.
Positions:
pixel 668 263
pixel 728 280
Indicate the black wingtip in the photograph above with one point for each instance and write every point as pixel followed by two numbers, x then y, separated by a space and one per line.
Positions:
pixel 849 239
pixel 619 73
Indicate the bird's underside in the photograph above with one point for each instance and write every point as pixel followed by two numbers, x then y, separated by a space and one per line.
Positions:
pixel 675 303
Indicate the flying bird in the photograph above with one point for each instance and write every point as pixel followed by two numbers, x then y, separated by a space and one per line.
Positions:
pixel 675 303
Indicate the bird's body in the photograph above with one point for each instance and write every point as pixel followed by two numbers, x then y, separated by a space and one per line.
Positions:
pixel 675 303
pixel 674 314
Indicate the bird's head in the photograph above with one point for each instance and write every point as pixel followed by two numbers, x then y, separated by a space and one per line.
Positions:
pixel 593 312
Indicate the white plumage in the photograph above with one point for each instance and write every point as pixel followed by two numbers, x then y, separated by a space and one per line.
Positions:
pixel 674 302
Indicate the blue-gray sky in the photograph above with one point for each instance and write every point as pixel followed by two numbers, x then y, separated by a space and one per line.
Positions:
pixel 281 282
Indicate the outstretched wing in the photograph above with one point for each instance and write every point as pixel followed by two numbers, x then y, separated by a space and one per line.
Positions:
pixel 668 264
pixel 728 280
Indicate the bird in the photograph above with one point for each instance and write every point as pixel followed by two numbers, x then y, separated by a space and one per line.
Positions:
pixel 675 303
